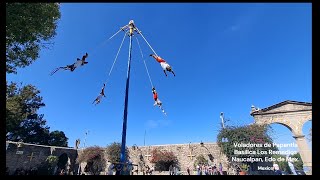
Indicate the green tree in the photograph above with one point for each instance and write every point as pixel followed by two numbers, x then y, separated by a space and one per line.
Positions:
pixel 58 138
pixel 113 152
pixel 22 120
pixel 229 137
pixel 21 102
pixel 298 165
pixel 95 158
pixel 32 130
pixel 29 27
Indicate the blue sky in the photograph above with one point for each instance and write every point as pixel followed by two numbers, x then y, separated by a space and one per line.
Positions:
pixel 226 57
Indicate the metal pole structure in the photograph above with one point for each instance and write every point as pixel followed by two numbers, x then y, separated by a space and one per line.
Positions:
pixel 125 112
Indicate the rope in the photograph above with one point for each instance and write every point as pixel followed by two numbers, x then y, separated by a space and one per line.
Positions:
pixel 146 41
pixel 117 54
pixel 93 50
pixel 97 47
pixel 163 111
pixel 115 34
pixel 112 64
pixel 144 63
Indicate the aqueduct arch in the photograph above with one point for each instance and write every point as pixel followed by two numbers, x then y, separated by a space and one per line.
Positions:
pixel 293 115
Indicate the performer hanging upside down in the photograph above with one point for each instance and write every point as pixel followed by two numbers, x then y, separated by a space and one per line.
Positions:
pixel 98 99
pixel 83 60
pixel 165 66
pixel 157 101
pixel 72 67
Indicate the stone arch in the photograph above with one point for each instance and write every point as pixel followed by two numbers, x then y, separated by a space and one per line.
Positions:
pixel 293 115
pixel 72 154
pixel 283 124
pixel 63 161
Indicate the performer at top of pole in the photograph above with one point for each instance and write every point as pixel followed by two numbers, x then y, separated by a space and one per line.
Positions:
pixel 131 27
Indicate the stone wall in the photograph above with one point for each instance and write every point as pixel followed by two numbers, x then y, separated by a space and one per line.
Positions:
pixel 186 154
pixel 30 155
pixel 27 156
